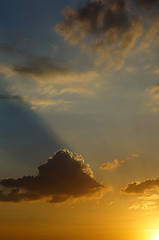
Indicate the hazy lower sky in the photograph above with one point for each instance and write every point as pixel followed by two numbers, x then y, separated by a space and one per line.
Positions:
pixel 79 113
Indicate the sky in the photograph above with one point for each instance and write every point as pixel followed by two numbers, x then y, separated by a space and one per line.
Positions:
pixel 79 113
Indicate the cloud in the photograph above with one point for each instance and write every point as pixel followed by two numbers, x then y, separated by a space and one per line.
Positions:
pixel 135 155
pixel 110 165
pixel 35 102
pixel 116 163
pixel 154 89
pixel 43 103
pixel 149 197
pixel 39 67
pixel 64 177
pixel 113 26
pixel 97 17
pixel 148 205
pixel 115 29
pixel 43 69
pixel 141 187
pixel 6 71
pixel 46 74
pixel 154 94
pixel 146 202
pixel 146 4
pixel 12 97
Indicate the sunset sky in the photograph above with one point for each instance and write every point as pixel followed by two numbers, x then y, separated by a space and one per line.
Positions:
pixel 79 116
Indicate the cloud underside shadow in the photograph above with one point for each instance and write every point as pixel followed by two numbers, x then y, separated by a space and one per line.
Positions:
pixel 64 177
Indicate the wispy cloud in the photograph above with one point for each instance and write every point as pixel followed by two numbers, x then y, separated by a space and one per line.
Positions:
pixel 45 71
pixel 40 68
pixel 36 102
pixel 116 28
pixel 154 94
pixel 144 205
pixel 146 202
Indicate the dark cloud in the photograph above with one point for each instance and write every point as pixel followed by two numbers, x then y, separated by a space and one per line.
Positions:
pixel 141 187
pixel 12 97
pixel 100 16
pixel 39 67
pixel 147 4
pixel 114 27
pixel 65 176
pixel 97 17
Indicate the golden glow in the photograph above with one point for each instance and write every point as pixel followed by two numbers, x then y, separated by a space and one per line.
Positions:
pixel 156 236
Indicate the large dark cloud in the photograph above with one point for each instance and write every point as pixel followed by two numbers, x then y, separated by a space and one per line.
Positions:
pixel 65 176
pixel 141 187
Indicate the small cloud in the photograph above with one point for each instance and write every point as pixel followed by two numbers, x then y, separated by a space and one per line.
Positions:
pixel 110 165
pixel 116 163
pixel 47 102
pixel 137 155
pixel 65 177
pixel 43 103
pixel 141 187
pixel 145 206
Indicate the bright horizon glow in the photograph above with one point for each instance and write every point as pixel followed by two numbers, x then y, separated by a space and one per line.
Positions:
pixel 156 236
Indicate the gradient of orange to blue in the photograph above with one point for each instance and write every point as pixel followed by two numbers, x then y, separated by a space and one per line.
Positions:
pixel 79 113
